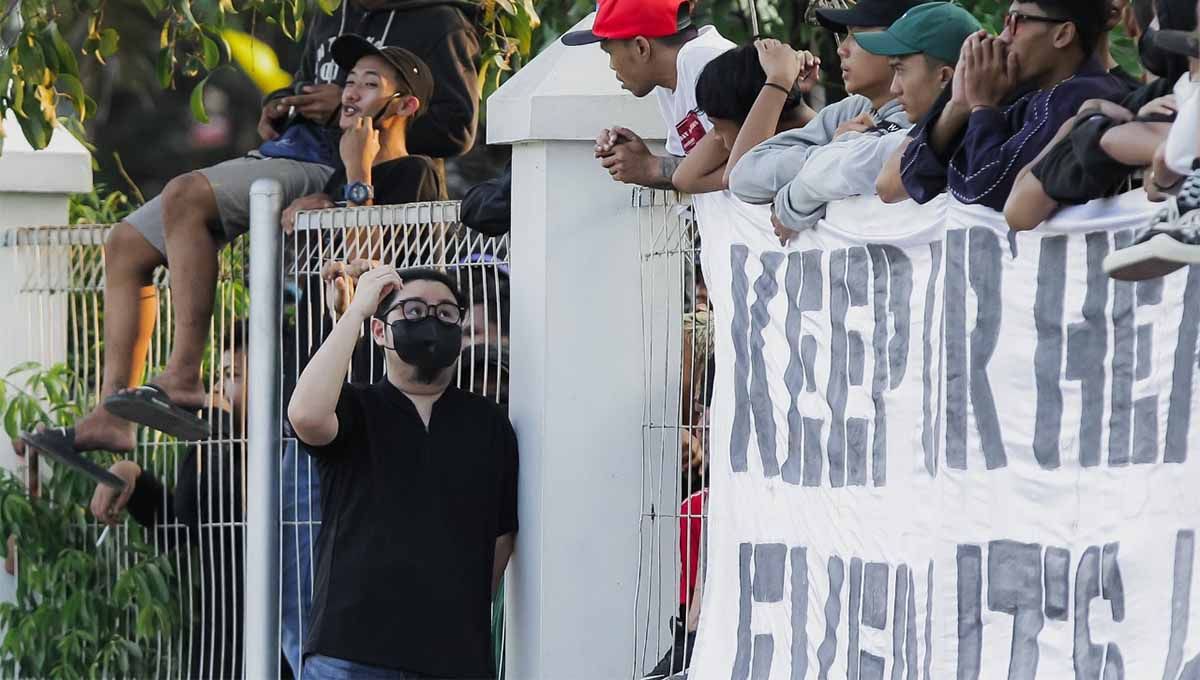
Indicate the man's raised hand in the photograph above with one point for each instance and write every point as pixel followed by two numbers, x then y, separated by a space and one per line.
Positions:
pixel 373 287
pixel 316 102
pixel 273 111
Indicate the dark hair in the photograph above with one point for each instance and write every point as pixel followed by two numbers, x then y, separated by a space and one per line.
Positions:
pixel 730 83
pixel 1089 17
pixel 419 274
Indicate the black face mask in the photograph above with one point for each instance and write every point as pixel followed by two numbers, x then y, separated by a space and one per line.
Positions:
pixel 428 344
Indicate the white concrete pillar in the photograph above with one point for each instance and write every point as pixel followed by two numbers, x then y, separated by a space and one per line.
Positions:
pixel 577 368
pixel 35 187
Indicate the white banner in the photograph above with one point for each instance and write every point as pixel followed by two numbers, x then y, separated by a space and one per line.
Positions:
pixel 940 450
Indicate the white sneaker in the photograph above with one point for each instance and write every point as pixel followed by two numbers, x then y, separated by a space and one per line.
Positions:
pixel 1170 242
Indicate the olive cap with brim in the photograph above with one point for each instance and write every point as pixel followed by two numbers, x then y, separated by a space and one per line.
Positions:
pixel 627 19
pixel 937 29
pixel 415 74
pixel 1185 43
pixel 869 13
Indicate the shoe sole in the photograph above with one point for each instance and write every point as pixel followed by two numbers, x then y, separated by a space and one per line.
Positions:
pixel 1151 259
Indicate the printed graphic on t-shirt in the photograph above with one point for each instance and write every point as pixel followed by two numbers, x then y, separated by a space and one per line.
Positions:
pixel 690 130
pixel 884 128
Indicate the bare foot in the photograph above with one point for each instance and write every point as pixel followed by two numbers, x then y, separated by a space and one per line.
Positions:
pixel 96 431
pixel 187 394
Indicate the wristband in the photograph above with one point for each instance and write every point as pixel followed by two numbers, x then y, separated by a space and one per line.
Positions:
pixel 778 87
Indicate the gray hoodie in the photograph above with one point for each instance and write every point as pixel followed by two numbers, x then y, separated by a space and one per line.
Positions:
pixel 770 166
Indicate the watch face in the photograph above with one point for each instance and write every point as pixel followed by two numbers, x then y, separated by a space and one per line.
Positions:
pixel 358 192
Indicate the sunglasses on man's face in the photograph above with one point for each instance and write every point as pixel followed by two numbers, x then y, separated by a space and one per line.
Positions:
pixel 1013 20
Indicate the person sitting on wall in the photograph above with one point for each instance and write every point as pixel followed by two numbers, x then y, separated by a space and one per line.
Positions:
pixel 386 90
pixel 922 48
pixel 418 490
pixel 767 168
pixel 653 47
pixel 1099 152
pixel 973 146
pixel 207 500
pixel 199 212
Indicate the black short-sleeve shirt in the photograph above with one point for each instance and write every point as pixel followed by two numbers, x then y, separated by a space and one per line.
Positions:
pixel 408 179
pixel 410 519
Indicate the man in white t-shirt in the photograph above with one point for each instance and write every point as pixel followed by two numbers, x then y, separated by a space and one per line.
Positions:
pixel 653 47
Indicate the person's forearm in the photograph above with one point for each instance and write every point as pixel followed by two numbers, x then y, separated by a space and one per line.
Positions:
pixel 889 185
pixel 703 170
pixel 1028 205
pixel 948 126
pixel 1134 143
pixel 315 397
pixel 760 125
pixel 667 165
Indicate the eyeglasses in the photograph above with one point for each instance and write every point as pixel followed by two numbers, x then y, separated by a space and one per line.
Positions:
pixel 838 38
pixel 415 310
pixel 1014 19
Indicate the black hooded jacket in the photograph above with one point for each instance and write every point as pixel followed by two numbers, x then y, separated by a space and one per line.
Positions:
pixel 438 32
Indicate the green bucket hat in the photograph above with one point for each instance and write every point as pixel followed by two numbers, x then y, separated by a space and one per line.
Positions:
pixel 937 29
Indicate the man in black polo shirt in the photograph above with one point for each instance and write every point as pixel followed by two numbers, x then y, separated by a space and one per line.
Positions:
pixel 418 492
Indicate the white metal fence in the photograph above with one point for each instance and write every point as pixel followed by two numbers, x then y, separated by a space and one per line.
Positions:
pixel 62 269
pixel 678 360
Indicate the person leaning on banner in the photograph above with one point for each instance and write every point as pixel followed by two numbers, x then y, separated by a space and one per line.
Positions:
pixel 652 47
pixel 973 145
pixel 922 47
pixel 418 491
pixel 1099 152
pixel 750 93
pixel 767 168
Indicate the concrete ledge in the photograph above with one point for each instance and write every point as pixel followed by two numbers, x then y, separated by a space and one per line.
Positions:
pixel 63 167
pixel 568 94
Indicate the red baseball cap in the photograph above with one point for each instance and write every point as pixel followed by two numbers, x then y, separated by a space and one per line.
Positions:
pixel 625 19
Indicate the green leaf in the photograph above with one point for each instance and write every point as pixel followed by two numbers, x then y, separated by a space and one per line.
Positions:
pixel 154 7
pixel 23 367
pixel 329 6
pixel 197 101
pixel 109 39
pixel 161 592
pixel 70 86
pixel 185 6
pixel 67 63
pixel 165 67
pixel 212 53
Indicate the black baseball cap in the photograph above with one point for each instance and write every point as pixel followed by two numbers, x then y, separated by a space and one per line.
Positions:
pixel 1178 42
pixel 866 13
pixel 414 72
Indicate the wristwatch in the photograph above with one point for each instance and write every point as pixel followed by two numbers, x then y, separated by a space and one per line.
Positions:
pixel 358 192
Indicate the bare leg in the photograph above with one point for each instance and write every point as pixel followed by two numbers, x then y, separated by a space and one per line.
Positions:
pixel 189 207
pixel 130 307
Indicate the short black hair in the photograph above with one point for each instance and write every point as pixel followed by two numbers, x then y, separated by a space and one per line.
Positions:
pixel 419 274
pixel 730 83
pixel 1089 17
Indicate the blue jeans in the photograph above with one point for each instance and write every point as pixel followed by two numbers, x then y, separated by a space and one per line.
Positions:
pixel 301 517
pixel 317 667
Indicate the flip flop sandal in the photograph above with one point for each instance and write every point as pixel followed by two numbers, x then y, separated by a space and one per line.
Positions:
pixel 58 444
pixel 149 405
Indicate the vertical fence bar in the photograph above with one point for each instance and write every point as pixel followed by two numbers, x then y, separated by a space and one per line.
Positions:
pixel 261 633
